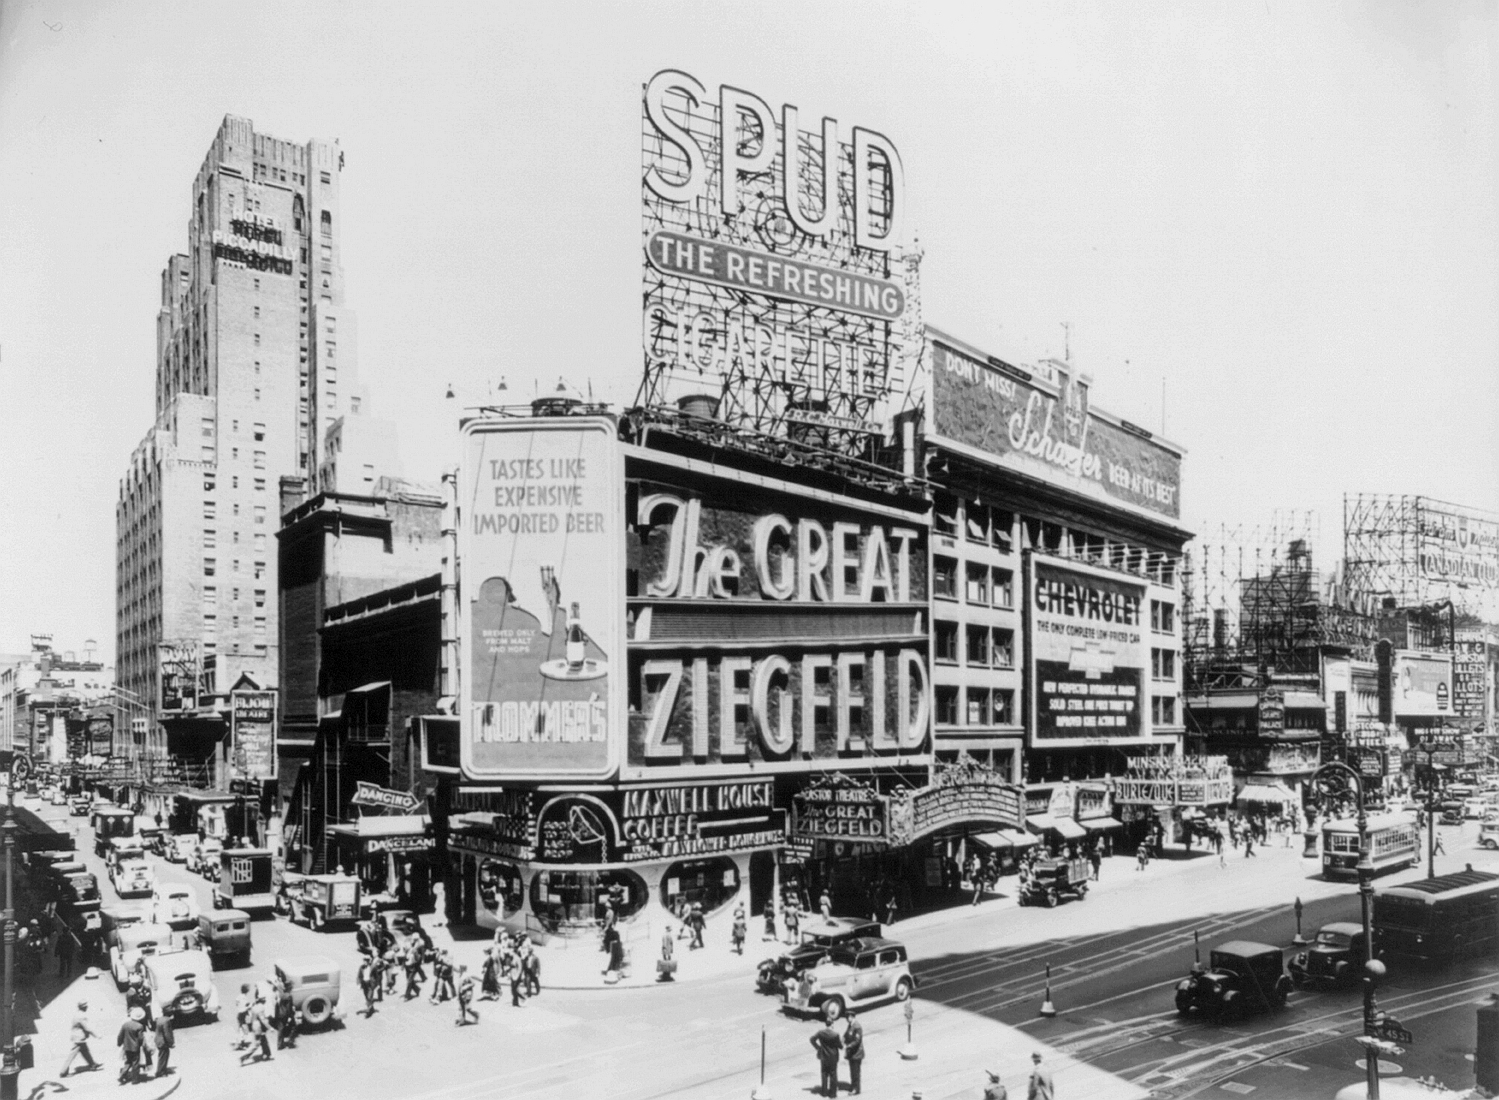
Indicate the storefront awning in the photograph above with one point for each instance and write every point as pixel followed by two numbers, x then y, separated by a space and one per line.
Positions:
pixel 1005 838
pixel 1267 793
pixel 1065 826
pixel 1101 824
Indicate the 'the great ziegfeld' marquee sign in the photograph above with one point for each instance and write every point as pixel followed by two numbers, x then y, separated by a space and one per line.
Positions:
pixel 1050 435
pixel 771 254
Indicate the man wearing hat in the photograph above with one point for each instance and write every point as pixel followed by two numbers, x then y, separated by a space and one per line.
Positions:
pixel 164 1040
pixel 994 1090
pixel 1042 1087
pixel 130 1040
pixel 80 1033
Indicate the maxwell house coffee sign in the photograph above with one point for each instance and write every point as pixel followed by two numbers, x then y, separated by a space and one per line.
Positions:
pixel 1044 427
pixel 540 608
pixel 773 630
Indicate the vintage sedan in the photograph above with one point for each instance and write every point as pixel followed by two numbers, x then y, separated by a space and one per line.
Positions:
pixel 180 985
pixel 175 904
pixel 314 981
pixel 1240 977
pixel 1334 958
pixel 133 878
pixel 130 943
pixel 818 937
pixel 859 973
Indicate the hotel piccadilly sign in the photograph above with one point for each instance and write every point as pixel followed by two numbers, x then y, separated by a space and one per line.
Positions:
pixel 772 254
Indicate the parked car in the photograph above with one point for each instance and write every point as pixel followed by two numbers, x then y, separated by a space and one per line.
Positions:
pixel 1335 957
pixel 818 937
pixel 175 905
pixel 225 934
pixel 122 848
pixel 1052 879
pixel 1474 808
pixel 1452 814
pixel 204 857
pixel 132 942
pixel 1488 833
pixel 1241 976
pixel 403 926
pixel 79 807
pixel 179 847
pixel 180 984
pixel 314 982
pixel 862 972
pixel 133 878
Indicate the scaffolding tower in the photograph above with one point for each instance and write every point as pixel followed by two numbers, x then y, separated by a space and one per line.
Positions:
pixel 1418 551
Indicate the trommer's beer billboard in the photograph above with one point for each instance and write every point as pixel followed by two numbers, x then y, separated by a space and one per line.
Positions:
pixel 540 538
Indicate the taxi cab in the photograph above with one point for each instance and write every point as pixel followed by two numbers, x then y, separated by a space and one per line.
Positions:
pixel 859 973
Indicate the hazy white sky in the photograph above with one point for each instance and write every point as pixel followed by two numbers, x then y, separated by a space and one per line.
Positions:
pixel 1287 212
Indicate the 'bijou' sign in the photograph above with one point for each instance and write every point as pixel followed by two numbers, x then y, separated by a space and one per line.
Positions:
pixel 771 254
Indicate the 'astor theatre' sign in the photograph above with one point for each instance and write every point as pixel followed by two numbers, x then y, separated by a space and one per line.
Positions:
pixel 771 253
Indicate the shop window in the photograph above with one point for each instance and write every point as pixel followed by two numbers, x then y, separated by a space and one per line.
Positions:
pixel 977 590
pixel 576 898
pixel 978 706
pixel 947 641
pixel 945 577
pixel 710 883
pixel 1004 588
pixel 947 704
pixel 501 888
pixel 978 645
pixel 1004 648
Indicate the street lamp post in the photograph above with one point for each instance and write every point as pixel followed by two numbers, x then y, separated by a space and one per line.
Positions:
pixel 1429 747
pixel 9 1070
pixel 1365 868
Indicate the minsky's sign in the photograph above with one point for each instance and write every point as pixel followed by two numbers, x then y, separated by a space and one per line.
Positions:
pixel 1044 427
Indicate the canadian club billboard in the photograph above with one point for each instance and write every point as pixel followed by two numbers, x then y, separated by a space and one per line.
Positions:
pixel 540 541
pixel 1089 654
pixel 771 627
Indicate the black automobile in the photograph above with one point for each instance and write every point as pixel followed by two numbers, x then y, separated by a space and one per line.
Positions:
pixel 1333 959
pixel 1241 977
pixel 818 937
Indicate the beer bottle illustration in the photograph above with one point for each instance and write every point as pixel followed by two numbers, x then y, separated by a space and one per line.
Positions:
pixel 575 646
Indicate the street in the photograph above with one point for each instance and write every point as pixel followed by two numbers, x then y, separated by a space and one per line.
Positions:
pixel 1114 958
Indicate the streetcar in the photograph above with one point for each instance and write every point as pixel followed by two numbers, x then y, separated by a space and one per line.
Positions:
pixel 1439 919
pixel 1394 843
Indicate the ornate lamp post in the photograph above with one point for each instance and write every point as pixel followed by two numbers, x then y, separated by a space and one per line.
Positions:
pixel 9 1070
pixel 1331 776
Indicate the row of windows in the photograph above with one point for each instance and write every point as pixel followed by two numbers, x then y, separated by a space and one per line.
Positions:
pixel 973 706
pixel 211 596
pixel 211 623
pixel 211 510
pixel 981 584
pixel 211 567
pixel 985 646
pixel 211 540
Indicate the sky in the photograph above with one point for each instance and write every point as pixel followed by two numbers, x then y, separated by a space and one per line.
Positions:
pixel 1272 227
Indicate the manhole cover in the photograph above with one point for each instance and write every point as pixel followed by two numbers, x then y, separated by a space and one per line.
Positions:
pixel 1387 1069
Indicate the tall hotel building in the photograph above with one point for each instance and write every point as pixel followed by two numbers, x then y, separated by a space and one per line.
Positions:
pixel 254 365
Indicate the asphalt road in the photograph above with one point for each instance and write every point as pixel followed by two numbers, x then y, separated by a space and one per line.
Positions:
pixel 1114 957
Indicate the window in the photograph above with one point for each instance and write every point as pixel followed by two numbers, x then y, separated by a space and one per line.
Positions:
pixel 210 538
pixel 1163 710
pixel 260 544
pixel 945 515
pixel 208 483
pixel 325 221
pixel 259 433
pixel 259 570
pixel 236 541
pixel 978 706
pixel 210 596
pixel 234 481
pixel 260 513
pixel 947 641
pixel 944 577
pixel 210 623
pixel 208 427
pixel 1163 664
pixel 257 339
pixel 259 598
pixel 1004 588
pixel 260 460
pixel 257 281
pixel 260 484
pixel 326 178
pixel 1162 617
pixel 257 311
pixel 978 645
pixel 236 567
pixel 947 704
pixel 1004 707
pixel 977 590
pixel 976 527
pixel 234 594
pixel 260 626
pixel 257 393
pixel 235 506
pixel 1004 648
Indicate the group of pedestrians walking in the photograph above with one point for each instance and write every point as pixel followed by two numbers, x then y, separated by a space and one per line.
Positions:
pixel 142 1042
pixel 259 1010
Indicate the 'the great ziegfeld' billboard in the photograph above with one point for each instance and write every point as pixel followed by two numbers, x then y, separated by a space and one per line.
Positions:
pixel 540 536
pixel 1089 654
pixel 772 628
pixel 1049 432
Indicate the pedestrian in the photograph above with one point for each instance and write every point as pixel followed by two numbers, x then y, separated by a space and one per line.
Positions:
pixel 610 919
pixel 666 966
pixel 741 929
pixel 286 1017
pixel 130 1040
pixel 994 1090
pixel 976 876
pixel 367 982
pixel 80 1033
pixel 490 976
pixel 242 1016
pixel 517 985
pixel 853 1050
pixel 827 1044
pixel 1042 1087
pixel 1142 857
pixel 164 1040
pixel 770 922
pixel 440 980
pixel 825 905
pixel 64 952
pixel 1436 848
pixel 793 921
pixel 530 963
pixel 616 964
pixel 260 1043
pixel 1249 845
pixel 465 998
pixel 698 923
pixel 1095 860
pixel 1222 862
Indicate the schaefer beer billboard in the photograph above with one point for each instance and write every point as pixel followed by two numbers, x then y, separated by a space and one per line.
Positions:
pixel 1088 654
pixel 772 627
pixel 541 610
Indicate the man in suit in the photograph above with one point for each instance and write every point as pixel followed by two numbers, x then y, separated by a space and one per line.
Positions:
pixel 853 1050
pixel 827 1044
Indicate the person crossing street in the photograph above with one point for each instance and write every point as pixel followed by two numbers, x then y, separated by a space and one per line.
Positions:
pixel 80 1032
pixel 465 998
pixel 164 1039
